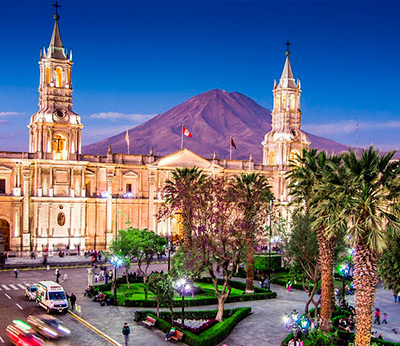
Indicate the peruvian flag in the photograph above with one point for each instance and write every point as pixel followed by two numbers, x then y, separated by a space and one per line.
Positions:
pixel 186 132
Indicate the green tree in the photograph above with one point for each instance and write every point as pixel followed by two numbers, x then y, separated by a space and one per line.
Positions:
pixel 369 185
pixel 309 190
pixel 140 245
pixel 389 265
pixel 253 196
pixel 179 192
pixel 161 285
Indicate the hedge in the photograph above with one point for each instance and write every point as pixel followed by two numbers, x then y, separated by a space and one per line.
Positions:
pixel 261 262
pixel 260 293
pixel 211 336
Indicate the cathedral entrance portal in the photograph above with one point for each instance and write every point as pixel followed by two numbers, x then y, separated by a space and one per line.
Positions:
pixel 5 230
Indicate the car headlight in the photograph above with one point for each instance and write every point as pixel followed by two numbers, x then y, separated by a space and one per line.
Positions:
pixel 65 330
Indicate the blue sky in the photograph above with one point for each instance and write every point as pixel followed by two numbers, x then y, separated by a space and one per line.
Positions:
pixel 135 59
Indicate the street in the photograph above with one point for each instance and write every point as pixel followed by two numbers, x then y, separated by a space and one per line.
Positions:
pixel 13 305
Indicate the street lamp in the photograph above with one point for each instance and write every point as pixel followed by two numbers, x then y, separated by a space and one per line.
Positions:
pixel 343 270
pixel 183 286
pixel 116 262
pixel 291 323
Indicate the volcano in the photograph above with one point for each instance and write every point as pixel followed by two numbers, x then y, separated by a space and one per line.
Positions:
pixel 213 118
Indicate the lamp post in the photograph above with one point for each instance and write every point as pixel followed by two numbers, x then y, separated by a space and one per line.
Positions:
pixel 169 255
pixel 183 286
pixel 344 272
pixel 116 262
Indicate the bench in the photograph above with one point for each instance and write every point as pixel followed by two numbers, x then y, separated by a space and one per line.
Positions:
pixel 177 336
pixel 149 321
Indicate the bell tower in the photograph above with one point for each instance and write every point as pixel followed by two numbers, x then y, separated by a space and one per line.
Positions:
pixel 55 130
pixel 286 137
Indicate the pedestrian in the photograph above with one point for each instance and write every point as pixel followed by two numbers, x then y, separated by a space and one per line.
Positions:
pixel 384 318
pixel 106 276
pixel 16 273
pixel 57 274
pixel 377 319
pixel 72 299
pixel 395 297
pixel 126 331
pixel 289 285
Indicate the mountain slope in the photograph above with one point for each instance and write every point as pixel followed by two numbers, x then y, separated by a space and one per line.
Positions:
pixel 212 118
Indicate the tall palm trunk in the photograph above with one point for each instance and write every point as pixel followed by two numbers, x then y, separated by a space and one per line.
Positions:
pixel 326 256
pixel 365 281
pixel 249 269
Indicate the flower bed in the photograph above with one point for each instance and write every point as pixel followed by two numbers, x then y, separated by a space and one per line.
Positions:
pixel 212 336
pixel 196 326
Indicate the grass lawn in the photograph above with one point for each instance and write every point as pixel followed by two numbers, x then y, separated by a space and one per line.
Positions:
pixel 136 292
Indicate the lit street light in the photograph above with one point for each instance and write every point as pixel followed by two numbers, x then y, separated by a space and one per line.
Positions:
pixel 183 286
pixel 116 262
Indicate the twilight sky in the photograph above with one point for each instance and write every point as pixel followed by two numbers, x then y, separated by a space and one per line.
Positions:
pixel 135 59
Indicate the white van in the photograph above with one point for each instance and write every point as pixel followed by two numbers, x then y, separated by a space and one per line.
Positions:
pixel 51 296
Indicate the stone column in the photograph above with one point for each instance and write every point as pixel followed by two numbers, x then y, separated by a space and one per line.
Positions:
pixel 151 200
pixel 26 240
pixel 109 234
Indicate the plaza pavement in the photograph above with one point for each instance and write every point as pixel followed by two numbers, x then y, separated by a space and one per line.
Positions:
pixel 263 327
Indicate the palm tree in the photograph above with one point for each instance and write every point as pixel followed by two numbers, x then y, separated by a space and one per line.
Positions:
pixel 309 189
pixel 252 193
pixel 179 192
pixel 370 189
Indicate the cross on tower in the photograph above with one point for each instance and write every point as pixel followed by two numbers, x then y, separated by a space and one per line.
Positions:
pixel 56 5
pixel 287 43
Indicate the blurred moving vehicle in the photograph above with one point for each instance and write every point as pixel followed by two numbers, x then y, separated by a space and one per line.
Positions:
pixel 21 334
pixel 48 326
pixel 30 291
pixel 51 296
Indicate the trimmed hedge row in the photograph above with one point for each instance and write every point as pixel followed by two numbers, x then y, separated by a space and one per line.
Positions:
pixel 260 293
pixel 211 336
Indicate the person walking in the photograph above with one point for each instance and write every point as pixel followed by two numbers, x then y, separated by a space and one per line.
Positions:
pixel 384 318
pixel 126 331
pixel 16 273
pixel 377 319
pixel 395 297
pixel 57 274
pixel 72 299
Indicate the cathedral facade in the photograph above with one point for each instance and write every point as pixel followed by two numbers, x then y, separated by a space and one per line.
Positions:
pixel 54 196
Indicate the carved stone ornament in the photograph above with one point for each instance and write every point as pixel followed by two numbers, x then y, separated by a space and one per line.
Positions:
pixel 61 219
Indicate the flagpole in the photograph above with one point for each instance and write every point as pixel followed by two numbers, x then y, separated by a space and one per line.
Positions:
pixel 230 149
pixel 182 137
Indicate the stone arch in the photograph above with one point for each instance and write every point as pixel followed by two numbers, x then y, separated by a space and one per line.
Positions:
pixel 5 230
pixel 271 158
pixel 60 146
pixel 59 76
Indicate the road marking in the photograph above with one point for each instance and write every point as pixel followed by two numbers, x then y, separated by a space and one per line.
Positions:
pixel 1 339
pixel 20 307
pixel 22 286
pixel 13 287
pixel 7 295
pixel 5 287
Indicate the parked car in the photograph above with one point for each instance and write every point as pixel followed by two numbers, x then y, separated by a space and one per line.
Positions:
pixel 30 292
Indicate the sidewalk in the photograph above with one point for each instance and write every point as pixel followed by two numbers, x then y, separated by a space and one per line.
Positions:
pixel 27 262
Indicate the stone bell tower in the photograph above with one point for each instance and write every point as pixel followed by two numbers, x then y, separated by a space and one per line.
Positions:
pixel 286 137
pixel 55 130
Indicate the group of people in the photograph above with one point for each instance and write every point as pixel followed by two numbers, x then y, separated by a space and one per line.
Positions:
pixel 347 324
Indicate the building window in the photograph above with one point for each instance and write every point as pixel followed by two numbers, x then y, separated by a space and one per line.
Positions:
pixel 59 77
pixel 271 158
pixel 2 186
pixel 60 151
pixel 87 188
pixel 128 188
pixel 292 102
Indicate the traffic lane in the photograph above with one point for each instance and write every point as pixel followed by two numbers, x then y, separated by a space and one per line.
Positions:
pixel 10 311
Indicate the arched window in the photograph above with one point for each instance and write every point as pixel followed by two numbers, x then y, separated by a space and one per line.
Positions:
pixel 69 77
pixel 59 72
pixel 292 102
pixel 278 102
pixel 60 148
pixel 271 158
pixel 284 104
pixel 47 75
